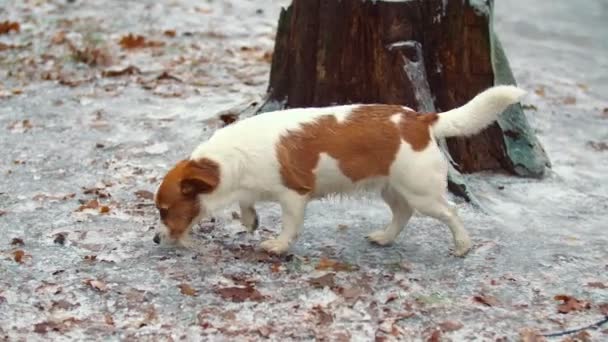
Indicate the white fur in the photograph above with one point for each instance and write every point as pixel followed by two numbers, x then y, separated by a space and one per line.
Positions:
pixel 476 115
pixel 249 169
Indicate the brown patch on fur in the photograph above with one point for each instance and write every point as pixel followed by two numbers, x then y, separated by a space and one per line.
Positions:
pixel 176 198
pixel 365 144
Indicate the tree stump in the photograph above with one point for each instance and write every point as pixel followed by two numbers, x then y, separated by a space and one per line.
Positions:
pixel 431 55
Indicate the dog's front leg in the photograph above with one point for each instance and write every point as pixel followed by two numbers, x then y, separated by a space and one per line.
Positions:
pixel 249 217
pixel 292 206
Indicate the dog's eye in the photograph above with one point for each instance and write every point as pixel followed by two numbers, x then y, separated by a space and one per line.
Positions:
pixel 163 213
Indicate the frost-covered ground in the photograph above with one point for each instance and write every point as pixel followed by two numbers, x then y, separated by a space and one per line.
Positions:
pixel 73 268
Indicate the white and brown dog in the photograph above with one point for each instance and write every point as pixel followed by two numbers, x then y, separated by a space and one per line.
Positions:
pixel 296 155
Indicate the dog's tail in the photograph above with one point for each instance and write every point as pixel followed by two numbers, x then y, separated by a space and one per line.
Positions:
pixel 478 113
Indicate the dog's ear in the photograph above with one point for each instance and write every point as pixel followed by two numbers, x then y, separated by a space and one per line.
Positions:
pixel 200 177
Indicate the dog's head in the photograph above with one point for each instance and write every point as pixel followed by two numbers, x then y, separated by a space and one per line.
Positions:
pixel 178 198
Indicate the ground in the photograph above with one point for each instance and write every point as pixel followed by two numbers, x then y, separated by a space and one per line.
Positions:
pixel 91 118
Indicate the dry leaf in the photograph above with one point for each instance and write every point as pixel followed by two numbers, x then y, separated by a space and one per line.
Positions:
pixel 604 309
pixel 104 209
pixel 598 145
pixel 240 294
pixel 328 264
pixel 130 70
pixel 569 100
pixel 327 280
pixel 8 26
pixel 92 204
pixel 571 304
pixel 187 290
pixel 448 326
pixel 131 41
pixel 229 118
pixel 18 256
pixel 531 335
pixel 597 285
pixel 59 239
pixel 17 242
pixel 435 336
pixel 97 285
pixel 169 33
pixel 144 194
pixel 486 300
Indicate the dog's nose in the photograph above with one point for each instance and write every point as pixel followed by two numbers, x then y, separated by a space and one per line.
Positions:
pixel 156 238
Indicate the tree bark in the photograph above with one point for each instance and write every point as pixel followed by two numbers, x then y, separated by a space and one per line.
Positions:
pixel 432 55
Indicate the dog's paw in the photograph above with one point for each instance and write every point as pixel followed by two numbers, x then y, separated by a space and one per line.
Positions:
pixel 381 238
pixel 462 247
pixel 275 246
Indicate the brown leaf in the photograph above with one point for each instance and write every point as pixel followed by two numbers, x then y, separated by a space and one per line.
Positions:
pixel 240 294
pixel 328 264
pixel 229 118
pixel 63 304
pixel 435 336
pixel 598 145
pixel 97 285
pixel 131 41
pixel 486 300
pixel 144 194
pixel 448 326
pixel 569 100
pixel 58 326
pixel 18 256
pixel 169 33
pixel 597 285
pixel 351 293
pixel 59 239
pixel 603 308
pixel 130 70
pixel 327 280
pixel 265 331
pixel 104 209
pixel 108 319
pixel 17 242
pixel 8 26
pixel 187 290
pixel 531 335
pixel 323 317
pixel 571 304
pixel 92 204
pixel 540 91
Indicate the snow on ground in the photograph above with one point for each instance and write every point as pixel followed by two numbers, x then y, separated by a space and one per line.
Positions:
pixel 74 268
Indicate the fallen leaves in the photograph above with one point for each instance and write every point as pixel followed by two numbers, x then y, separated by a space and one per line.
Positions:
pixel 144 194
pixel 132 41
pixel 187 290
pixel 17 242
pixel 448 326
pixel 328 264
pixel 58 326
pixel 229 118
pixel 598 145
pixel 571 304
pixel 8 26
pixel 486 300
pixel 18 256
pixel 92 204
pixel 96 285
pixel 327 280
pixel 597 285
pixel 59 239
pixel 531 335
pixel 240 294
pixel 129 70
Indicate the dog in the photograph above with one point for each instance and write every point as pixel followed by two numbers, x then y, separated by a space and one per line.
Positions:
pixel 295 155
